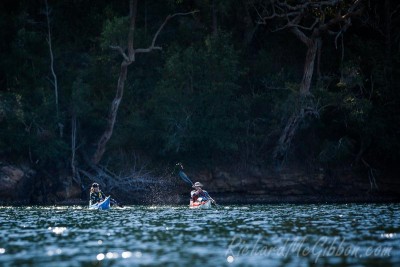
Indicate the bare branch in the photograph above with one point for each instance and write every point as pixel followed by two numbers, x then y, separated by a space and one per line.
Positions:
pixel 120 50
pixel 307 4
pixel 258 13
pixel 152 46
pixel 291 24
pixel 299 34
pixel 132 22
pixel 276 15
pixel 311 27
pixel 149 49
pixel 396 9
pixel 283 27
pixel 342 30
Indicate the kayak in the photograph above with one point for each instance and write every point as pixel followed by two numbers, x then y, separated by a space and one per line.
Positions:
pixel 200 205
pixel 104 205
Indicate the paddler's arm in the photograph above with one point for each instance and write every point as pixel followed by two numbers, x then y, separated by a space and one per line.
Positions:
pixel 93 198
pixel 208 196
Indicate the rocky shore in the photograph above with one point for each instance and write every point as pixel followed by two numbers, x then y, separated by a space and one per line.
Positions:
pixel 21 185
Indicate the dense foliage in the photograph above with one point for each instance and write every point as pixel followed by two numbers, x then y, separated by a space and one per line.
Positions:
pixel 220 90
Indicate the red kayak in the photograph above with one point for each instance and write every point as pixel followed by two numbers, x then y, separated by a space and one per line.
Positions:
pixel 200 205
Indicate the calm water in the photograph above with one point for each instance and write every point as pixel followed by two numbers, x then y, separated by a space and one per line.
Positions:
pixel 255 235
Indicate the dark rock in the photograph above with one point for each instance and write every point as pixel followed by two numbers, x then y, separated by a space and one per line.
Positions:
pixel 16 183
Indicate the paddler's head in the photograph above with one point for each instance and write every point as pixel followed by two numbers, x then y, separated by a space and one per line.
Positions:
pixel 197 185
pixel 95 187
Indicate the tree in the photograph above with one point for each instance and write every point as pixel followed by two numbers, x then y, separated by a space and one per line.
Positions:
pixel 54 82
pixel 196 107
pixel 308 21
pixel 317 18
pixel 384 19
pixel 128 58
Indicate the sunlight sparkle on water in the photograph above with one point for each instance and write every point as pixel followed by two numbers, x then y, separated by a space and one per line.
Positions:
pixel 54 252
pixel 230 259
pixel 100 257
pixel 112 255
pixel 57 230
pixel 2 250
pixel 388 235
pixel 126 254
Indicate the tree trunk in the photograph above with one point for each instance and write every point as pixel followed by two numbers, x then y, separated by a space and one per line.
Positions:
pixel 54 81
pixel 101 145
pixel 388 44
pixel 112 116
pixel 294 121
pixel 319 48
pixel 214 11
pixel 286 138
pixel 250 28
pixel 309 67
pixel 305 109
pixel 132 23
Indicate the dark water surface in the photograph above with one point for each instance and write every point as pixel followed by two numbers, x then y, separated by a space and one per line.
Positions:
pixel 254 235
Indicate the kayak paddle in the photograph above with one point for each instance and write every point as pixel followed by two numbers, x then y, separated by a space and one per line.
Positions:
pixel 186 179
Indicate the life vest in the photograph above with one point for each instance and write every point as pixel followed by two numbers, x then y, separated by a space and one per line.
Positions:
pixel 195 196
pixel 96 197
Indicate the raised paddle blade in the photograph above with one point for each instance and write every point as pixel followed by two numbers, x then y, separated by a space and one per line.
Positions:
pixel 185 178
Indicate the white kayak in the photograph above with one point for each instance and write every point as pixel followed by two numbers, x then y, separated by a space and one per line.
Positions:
pixel 200 204
pixel 104 205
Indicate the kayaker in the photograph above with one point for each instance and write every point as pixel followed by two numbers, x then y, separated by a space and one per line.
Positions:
pixel 198 194
pixel 96 195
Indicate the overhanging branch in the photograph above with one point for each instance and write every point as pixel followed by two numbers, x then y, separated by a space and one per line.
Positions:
pixel 152 45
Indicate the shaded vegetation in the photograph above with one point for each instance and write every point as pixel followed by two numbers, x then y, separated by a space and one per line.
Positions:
pixel 219 92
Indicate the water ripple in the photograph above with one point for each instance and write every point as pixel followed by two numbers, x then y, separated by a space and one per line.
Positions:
pixel 258 235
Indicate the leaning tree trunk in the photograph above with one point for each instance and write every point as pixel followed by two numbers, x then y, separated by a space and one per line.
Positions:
pixel 305 102
pixel 312 47
pixel 312 43
pixel 286 138
pixel 112 116
pixel 128 59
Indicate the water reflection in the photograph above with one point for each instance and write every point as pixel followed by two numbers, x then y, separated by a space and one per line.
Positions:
pixel 259 235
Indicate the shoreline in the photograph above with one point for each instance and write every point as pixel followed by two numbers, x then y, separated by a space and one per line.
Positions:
pixel 236 199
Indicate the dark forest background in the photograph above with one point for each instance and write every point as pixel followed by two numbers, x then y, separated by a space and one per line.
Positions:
pixel 227 88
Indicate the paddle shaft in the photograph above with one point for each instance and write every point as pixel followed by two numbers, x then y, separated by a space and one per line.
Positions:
pixel 213 201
